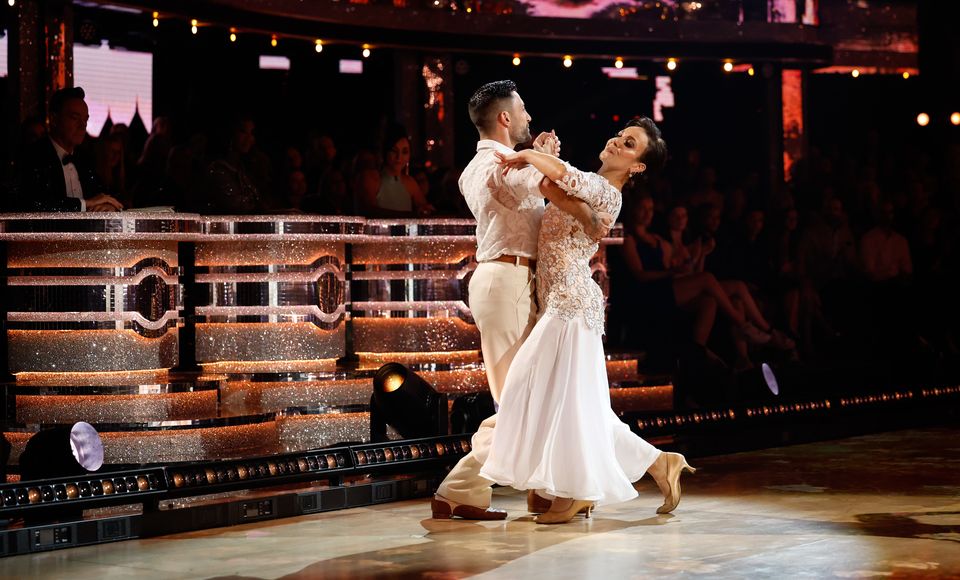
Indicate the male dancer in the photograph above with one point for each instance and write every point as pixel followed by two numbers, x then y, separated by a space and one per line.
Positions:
pixel 508 209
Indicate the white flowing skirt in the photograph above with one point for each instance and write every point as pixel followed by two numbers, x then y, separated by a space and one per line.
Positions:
pixel 555 430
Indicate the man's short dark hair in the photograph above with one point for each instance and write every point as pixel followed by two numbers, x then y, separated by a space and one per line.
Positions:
pixel 485 104
pixel 60 98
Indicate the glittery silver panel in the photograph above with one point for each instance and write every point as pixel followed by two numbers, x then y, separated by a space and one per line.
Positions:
pixel 435 250
pixel 89 350
pixel 89 253
pixel 302 432
pixel 413 335
pixel 244 252
pixel 645 398
pixel 47 409
pixel 189 444
pixel 173 445
pixel 258 342
pixel 144 224
pixel 246 397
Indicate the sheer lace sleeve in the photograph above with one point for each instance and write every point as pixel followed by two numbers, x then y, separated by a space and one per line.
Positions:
pixel 591 188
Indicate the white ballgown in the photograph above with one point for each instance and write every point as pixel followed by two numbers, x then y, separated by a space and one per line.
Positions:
pixel 556 431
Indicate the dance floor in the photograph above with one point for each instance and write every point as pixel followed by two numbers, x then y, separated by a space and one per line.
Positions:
pixel 877 506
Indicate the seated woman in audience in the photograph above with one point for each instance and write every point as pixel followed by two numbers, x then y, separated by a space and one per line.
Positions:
pixel 686 258
pixel 391 192
pixel 647 255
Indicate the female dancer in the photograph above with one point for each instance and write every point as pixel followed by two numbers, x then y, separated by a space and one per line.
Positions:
pixel 556 431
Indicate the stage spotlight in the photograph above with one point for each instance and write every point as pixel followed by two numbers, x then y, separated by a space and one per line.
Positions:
pixel 618 62
pixel 193 26
pixel 728 66
pixel 318 46
pixel 233 35
pixel 408 403
pixel 62 451
pixel 750 71
pixel 906 75
pixel 671 64
pixel 923 119
pixel 516 60
pixel 955 118
pixel 567 61
pixel 366 51
pixel 468 411
pixel 855 73
pixel 156 18
pixel 274 41
pixel 759 383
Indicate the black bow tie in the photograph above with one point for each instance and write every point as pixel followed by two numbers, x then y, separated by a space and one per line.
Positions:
pixel 67 159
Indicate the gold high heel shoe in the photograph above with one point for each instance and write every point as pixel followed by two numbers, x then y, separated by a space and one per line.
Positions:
pixel 563 516
pixel 676 464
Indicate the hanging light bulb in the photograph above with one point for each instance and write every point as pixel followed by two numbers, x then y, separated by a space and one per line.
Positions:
pixel 567 61
pixel 318 46
pixel 728 66
pixel 906 75
pixel 955 118
pixel 156 16
pixel 273 41
pixel 671 64
pixel 618 62
pixel 855 73
pixel 193 26
pixel 750 71
pixel 233 35
pixel 516 60
pixel 923 119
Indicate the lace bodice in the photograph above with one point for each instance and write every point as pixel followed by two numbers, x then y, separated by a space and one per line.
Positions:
pixel 565 286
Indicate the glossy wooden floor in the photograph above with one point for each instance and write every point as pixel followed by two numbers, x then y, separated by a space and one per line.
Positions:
pixel 879 506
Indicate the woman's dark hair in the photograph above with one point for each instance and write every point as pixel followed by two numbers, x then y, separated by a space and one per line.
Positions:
pixel 655 157
pixel 486 101
pixel 390 138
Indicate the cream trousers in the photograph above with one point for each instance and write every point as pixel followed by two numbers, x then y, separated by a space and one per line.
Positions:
pixel 502 299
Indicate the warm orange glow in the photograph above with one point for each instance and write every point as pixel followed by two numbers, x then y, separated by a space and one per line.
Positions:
pixel 193 26
pixel 728 66
pixel 373 360
pixel 923 119
pixel 955 118
pixel 318 46
pixel 855 73
pixel 270 366
pixel 94 379
pixel 392 382
pixel 671 64
pixel 366 51
pixel 906 75
pixel 233 35
pixel 618 62
pixel 792 90
pixel 750 71
pixel 274 41
pixel 568 61
pixel 516 60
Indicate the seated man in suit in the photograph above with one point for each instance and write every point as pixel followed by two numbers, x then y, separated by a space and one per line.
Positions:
pixel 49 178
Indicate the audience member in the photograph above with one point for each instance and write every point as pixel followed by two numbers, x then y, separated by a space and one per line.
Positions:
pixel 391 192
pixel 49 176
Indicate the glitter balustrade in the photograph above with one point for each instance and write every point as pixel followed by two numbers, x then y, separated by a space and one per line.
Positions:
pixel 292 316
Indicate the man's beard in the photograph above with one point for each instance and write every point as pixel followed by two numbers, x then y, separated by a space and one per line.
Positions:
pixel 522 136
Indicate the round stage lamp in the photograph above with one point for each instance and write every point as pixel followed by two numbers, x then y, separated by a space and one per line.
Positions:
pixel 403 400
pixel 758 383
pixel 62 451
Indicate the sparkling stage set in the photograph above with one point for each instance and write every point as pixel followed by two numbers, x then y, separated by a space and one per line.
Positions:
pixel 196 344
pixel 228 362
